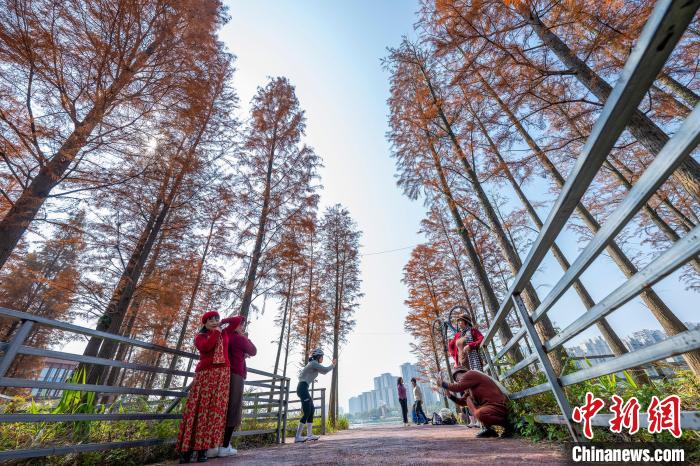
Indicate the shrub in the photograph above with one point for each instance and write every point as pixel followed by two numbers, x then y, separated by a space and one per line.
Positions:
pixel 523 411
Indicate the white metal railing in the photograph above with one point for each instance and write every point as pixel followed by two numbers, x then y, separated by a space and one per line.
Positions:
pixel 267 405
pixel 661 33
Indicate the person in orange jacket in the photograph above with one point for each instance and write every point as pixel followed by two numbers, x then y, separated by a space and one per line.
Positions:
pixel 204 417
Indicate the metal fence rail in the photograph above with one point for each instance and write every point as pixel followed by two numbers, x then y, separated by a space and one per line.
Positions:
pixel 266 399
pixel 661 33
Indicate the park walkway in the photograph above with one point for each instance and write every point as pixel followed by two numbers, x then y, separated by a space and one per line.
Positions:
pixel 398 445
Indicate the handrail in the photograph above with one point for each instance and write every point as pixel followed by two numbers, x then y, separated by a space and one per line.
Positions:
pixel 57 324
pixel 276 386
pixel 663 29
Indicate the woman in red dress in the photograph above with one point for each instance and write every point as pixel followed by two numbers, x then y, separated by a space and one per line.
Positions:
pixel 204 417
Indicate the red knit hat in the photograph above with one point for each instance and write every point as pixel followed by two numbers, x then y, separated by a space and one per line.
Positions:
pixel 235 322
pixel 207 315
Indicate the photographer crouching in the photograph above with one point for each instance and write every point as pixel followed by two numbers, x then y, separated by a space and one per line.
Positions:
pixel 485 398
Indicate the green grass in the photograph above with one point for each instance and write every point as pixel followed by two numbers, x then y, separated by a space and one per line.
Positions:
pixel 16 436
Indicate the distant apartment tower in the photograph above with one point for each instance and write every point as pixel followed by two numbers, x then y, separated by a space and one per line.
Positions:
pixel 387 393
pixel 366 402
pixel 355 405
pixel 408 371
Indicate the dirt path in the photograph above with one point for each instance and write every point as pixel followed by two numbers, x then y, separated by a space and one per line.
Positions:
pixel 401 445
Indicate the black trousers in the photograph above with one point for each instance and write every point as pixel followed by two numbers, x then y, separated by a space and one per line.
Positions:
pixel 307 404
pixel 404 410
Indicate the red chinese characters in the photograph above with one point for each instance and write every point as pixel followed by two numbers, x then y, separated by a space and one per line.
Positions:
pixel 665 415
pixel 587 412
pixel 624 415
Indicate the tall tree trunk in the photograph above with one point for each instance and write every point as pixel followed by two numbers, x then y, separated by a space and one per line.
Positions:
pixel 491 304
pixel 111 320
pixel 159 356
pixel 287 301
pixel 107 321
pixel 457 267
pixel 336 336
pixel 641 127
pixel 683 221
pixel 287 344
pixel 679 89
pixel 259 237
pixel 544 327
pixel 23 211
pixel 309 302
pixel 647 209
pixel 668 320
pixel 133 311
pixel 609 335
pixel 190 304
pixel 437 366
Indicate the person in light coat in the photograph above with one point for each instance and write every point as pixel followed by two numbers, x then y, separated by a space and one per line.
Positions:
pixel 307 377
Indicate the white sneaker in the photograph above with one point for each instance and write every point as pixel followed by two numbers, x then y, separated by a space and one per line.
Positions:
pixel 212 452
pixel 228 451
pixel 298 437
pixel 310 433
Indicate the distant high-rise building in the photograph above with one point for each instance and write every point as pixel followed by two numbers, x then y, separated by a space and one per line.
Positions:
pixel 385 386
pixel 355 405
pixel 366 402
pixel 385 393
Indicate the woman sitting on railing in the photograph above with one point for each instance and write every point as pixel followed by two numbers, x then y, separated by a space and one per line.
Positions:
pixel 204 417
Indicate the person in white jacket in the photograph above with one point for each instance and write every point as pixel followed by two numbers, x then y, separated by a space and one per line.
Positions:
pixel 418 396
pixel 307 377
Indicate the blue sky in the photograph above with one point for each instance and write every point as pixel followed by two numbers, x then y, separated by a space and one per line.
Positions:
pixel 331 51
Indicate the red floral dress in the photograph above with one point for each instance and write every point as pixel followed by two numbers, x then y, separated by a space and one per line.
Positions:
pixel 204 418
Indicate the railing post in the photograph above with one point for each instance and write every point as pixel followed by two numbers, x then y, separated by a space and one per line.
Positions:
pixel 280 405
pixel 552 378
pixel 189 369
pixel 285 407
pixel 492 368
pixel 323 411
pixel 13 348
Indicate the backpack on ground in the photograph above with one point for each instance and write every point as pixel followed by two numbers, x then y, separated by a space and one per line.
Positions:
pixel 447 417
pixel 437 419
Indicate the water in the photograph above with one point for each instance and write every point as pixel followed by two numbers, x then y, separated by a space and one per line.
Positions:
pixel 376 423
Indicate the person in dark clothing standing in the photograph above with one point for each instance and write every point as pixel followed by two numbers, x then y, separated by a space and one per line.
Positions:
pixel 403 401
pixel 418 396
